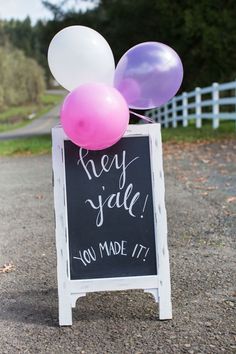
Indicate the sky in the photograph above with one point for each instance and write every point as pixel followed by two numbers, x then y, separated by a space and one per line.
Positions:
pixel 20 9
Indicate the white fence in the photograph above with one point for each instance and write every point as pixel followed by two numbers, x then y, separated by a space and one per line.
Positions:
pixel 216 102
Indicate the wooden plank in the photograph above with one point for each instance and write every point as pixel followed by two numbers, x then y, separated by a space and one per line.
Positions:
pixel 164 287
pixel 110 284
pixel 227 86
pixel 64 301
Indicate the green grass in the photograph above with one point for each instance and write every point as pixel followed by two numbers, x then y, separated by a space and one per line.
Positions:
pixel 42 144
pixel 50 99
pixel 27 146
pixel 16 117
pixel 226 130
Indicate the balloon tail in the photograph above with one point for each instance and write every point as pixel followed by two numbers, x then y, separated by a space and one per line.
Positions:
pixel 143 117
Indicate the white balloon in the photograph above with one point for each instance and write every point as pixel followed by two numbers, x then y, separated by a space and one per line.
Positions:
pixel 78 55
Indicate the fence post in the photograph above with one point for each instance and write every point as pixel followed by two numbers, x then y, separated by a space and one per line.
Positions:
pixel 215 97
pixel 198 109
pixel 153 115
pixel 159 115
pixel 185 109
pixel 174 121
pixel 166 123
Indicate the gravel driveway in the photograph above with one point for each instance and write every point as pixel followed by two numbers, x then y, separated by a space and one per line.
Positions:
pixel 200 191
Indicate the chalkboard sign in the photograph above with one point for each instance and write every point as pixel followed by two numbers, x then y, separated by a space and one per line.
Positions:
pixel 110 210
pixel 110 218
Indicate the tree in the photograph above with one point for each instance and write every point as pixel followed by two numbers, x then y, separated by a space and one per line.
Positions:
pixel 22 79
pixel 202 32
pixel 60 9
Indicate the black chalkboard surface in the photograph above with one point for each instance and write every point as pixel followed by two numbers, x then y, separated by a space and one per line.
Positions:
pixel 110 210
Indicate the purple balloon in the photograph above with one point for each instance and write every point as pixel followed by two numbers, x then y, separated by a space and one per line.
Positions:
pixel 148 75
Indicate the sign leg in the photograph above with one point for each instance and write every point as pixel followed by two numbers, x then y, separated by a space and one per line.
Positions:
pixel 65 312
pixel 164 299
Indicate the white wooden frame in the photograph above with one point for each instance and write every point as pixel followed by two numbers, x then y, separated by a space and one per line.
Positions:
pixel 178 109
pixel 158 285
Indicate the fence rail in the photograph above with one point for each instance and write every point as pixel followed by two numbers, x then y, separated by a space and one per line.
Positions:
pixel 216 102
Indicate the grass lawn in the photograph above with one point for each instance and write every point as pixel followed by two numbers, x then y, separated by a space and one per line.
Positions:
pixel 226 130
pixel 42 144
pixel 16 117
pixel 27 146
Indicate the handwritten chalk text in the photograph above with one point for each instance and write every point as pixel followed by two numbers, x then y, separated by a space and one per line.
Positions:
pixel 111 249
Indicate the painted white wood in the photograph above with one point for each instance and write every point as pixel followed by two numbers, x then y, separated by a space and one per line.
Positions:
pixel 110 284
pixel 75 297
pixel 166 117
pixel 158 285
pixel 168 114
pixel 216 109
pixel 185 109
pixel 157 116
pixel 227 86
pixel 198 107
pixel 65 308
pixel 226 101
pixel 174 115
pixel 191 94
pixel 163 268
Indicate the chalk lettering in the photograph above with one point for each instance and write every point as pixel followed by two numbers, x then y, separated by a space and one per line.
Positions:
pixel 80 258
pixel 123 248
pixel 86 256
pixel 112 248
pixel 140 251
pixel 106 165
pixel 112 201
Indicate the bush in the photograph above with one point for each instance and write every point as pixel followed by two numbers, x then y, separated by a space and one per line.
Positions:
pixel 22 79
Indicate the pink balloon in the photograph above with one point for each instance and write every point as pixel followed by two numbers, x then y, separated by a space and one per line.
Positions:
pixel 94 116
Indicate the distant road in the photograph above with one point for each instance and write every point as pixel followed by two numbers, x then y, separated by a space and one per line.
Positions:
pixel 57 92
pixel 39 126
